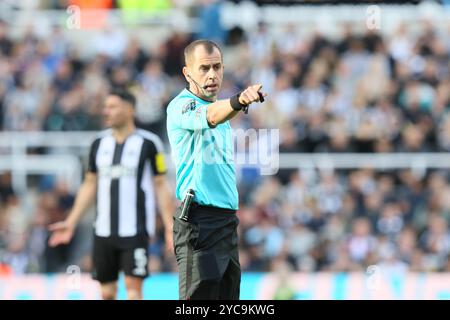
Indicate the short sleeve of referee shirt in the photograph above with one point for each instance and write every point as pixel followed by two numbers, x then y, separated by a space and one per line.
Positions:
pixel 189 112
pixel 92 165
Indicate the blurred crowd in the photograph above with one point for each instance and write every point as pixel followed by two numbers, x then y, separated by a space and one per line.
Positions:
pixel 360 92
pixel 347 221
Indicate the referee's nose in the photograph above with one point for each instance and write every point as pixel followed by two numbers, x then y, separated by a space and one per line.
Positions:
pixel 212 75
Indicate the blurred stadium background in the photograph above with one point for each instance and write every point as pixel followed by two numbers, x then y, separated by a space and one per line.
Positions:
pixel 361 204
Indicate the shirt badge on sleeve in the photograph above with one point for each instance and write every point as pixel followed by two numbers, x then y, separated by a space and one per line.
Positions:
pixel 190 106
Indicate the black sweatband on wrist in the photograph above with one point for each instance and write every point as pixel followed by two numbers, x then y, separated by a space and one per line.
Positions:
pixel 235 104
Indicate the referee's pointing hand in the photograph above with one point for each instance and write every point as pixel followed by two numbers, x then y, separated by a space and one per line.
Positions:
pixel 251 94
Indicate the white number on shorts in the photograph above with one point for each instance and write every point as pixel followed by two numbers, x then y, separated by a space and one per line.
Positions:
pixel 140 262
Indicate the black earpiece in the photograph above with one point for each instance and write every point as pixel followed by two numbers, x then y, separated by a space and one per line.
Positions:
pixel 196 83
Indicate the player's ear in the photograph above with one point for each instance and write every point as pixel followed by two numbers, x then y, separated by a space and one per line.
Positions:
pixel 131 110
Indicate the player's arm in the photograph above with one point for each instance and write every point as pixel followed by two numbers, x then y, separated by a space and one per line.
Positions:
pixel 85 198
pixel 62 232
pixel 162 190
pixel 224 110
pixel 166 207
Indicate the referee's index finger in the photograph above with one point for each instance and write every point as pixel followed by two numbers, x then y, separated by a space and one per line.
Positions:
pixel 257 87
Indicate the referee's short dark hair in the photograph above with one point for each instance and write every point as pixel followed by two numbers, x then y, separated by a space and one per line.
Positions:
pixel 125 95
pixel 207 44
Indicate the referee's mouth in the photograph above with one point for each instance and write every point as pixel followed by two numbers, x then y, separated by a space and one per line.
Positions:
pixel 213 87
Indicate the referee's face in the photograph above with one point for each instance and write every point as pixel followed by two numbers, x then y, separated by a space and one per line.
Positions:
pixel 117 113
pixel 206 72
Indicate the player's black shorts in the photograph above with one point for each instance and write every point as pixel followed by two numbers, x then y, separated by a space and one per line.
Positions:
pixel 114 254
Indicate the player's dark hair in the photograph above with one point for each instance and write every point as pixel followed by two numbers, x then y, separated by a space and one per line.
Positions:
pixel 125 95
pixel 207 44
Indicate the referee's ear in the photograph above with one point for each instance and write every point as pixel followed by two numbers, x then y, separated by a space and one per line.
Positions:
pixel 186 73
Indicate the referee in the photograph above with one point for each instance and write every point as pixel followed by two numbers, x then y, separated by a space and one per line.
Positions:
pixel 126 171
pixel 205 232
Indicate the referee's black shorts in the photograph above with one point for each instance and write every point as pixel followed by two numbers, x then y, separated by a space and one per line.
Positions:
pixel 114 254
pixel 206 248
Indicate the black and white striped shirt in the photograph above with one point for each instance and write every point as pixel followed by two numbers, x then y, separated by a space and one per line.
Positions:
pixel 125 193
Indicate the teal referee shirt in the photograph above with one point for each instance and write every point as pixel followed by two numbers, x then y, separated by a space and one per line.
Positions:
pixel 203 155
